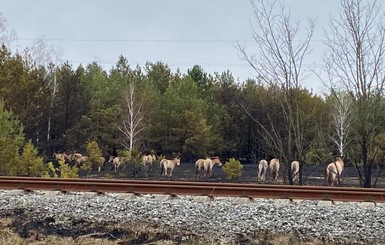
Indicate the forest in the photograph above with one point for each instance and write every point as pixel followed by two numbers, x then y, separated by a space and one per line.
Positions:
pixel 60 108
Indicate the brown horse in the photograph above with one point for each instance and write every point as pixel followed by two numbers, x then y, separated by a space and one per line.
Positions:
pixel 117 162
pixel 168 164
pixel 274 168
pixel 78 158
pixel 214 161
pixel 206 165
pixel 294 171
pixel 262 168
pixel 333 171
pixel 147 161
pixel 61 157
pixel 200 165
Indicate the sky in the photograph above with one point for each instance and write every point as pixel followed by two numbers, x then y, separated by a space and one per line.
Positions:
pixel 179 33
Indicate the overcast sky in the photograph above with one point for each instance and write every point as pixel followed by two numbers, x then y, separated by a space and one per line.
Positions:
pixel 180 33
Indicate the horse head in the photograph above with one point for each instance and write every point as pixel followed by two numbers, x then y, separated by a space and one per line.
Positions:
pixel 177 160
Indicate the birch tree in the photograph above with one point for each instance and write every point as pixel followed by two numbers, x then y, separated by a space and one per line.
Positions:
pixel 132 124
pixel 342 117
pixel 355 61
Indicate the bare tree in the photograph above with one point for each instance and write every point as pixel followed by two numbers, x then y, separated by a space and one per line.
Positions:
pixel 355 60
pixel 7 36
pixel 47 56
pixel 342 116
pixel 278 61
pixel 133 122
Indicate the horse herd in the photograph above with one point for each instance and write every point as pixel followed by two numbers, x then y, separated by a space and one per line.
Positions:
pixel 332 172
pixel 167 166
pixel 204 166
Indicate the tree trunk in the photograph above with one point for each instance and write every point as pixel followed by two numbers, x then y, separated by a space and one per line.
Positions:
pixel 367 166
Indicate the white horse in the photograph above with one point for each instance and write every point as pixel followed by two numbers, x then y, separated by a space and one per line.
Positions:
pixel 333 171
pixel 274 168
pixel 294 171
pixel 168 164
pixel 262 168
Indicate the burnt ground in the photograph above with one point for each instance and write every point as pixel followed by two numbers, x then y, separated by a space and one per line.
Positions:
pixel 311 174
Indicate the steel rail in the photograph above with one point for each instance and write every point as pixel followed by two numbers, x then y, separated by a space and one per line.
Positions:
pixel 195 188
pixel 194 183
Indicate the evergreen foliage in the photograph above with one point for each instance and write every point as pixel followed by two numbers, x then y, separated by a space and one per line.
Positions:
pixel 233 169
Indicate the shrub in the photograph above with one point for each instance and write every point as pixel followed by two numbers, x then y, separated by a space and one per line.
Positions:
pixel 95 155
pixel 233 169
pixel 63 171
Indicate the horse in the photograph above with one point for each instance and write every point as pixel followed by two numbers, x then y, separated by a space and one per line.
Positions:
pixel 333 171
pixel 200 164
pixel 274 168
pixel 214 161
pixel 294 171
pixel 207 166
pixel 147 161
pixel 262 168
pixel 78 158
pixel 61 157
pixel 168 164
pixel 116 162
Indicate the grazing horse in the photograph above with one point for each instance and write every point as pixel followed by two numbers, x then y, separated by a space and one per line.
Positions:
pixel 262 168
pixel 274 168
pixel 294 171
pixel 116 162
pixel 333 171
pixel 168 164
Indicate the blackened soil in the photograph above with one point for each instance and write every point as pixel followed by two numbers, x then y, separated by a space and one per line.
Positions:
pixel 311 175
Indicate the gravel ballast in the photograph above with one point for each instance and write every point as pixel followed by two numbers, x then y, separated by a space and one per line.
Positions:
pixel 221 220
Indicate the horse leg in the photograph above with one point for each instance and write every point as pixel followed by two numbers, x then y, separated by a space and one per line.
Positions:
pixel 262 174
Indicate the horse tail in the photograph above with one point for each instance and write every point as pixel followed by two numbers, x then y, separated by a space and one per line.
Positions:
pixel 326 175
pixel 263 170
pixel 196 168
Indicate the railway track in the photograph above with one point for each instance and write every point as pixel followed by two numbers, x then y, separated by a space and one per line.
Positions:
pixel 195 188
